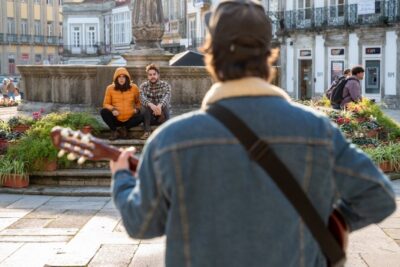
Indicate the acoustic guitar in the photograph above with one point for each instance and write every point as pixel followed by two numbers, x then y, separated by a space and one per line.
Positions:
pixel 82 147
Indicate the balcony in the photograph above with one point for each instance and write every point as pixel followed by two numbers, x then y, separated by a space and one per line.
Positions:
pixel 25 39
pixel 29 39
pixel 386 12
pixel 84 50
pixel 201 3
pixel 11 38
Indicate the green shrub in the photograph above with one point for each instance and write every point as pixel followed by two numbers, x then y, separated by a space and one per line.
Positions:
pixel 11 166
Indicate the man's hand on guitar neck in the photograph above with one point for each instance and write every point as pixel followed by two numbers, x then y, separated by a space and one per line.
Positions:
pixel 122 163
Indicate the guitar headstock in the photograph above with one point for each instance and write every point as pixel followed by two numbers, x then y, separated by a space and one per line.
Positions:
pixel 82 146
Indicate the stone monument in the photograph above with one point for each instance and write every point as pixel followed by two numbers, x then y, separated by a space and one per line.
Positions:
pixel 148 30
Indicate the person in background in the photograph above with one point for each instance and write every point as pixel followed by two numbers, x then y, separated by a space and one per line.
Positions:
pixel 155 96
pixel 197 184
pixel 352 89
pixel 11 89
pixel 3 87
pixel 121 105
pixel 346 74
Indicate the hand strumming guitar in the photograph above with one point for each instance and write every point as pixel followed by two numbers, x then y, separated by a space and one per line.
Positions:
pixel 122 163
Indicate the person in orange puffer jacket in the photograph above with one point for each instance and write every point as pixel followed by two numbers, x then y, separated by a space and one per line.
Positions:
pixel 121 105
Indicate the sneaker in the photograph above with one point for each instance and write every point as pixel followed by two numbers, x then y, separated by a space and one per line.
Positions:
pixel 114 135
pixel 123 132
pixel 145 136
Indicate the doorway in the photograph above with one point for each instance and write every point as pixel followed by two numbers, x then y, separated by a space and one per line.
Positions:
pixel 305 79
pixel 372 75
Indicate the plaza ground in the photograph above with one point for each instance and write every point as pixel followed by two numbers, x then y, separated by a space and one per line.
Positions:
pixel 87 231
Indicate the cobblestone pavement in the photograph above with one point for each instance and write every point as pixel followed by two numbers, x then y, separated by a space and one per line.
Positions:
pixel 87 231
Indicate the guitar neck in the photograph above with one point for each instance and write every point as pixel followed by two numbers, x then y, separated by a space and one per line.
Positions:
pixel 84 146
pixel 113 153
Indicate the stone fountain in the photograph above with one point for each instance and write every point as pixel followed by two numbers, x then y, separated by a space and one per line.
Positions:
pixel 81 88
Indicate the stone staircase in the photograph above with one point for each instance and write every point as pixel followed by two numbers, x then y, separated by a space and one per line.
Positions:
pixel 91 173
pixel 93 178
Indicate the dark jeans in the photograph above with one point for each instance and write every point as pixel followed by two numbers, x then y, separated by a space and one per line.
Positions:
pixel 113 122
pixel 150 119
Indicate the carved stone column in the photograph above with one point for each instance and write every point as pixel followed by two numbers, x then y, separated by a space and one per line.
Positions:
pixel 148 30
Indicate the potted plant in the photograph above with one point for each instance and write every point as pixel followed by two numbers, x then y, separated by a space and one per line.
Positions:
pixel 20 123
pixel 13 173
pixel 386 156
pixel 36 149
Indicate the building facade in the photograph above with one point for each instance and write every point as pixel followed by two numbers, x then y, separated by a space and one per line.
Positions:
pixel 87 30
pixel 30 33
pixel 321 38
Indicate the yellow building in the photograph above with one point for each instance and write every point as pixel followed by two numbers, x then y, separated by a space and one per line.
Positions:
pixel 30 33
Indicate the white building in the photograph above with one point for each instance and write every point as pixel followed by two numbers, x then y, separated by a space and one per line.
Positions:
pixel 121 27
pixel 94 30
pixel 321 38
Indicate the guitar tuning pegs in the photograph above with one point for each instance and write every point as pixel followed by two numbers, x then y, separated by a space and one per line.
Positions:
pixel 86 138
pixel 81 160
pixel 76 135
pixel 61 153
pixel 71 156
pixel 65 132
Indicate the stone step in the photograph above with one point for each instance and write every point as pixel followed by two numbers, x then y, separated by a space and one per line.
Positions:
pixel 72 177
pixel 81 191
pixel 133 133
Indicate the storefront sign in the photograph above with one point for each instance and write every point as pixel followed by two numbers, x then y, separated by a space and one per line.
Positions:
pixel 373 51
pixel 305 53
pixel 366 7
pixel 24 56
pixel 337 52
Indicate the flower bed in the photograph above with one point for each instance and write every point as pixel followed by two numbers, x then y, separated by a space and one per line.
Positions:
pixel 366 126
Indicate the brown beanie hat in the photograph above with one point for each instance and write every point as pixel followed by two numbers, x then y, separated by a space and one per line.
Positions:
pixel 242 26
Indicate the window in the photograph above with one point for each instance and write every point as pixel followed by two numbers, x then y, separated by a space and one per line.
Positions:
pixel 50 29
pixel 91 36
pixel 60 30
pixel 378 7
pixel 49 2
pixel 37 28
pixel 24 27
pixel 36 2
pixel 121 28
pixel 76 37
pixel 38 59
pixel 11 26
pixel 305 6
pixel 336 8
pixel 192 29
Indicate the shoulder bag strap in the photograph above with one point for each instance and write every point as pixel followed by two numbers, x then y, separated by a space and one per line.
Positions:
pixel 260 152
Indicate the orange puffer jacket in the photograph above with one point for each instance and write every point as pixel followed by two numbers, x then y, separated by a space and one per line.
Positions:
pixel 125 102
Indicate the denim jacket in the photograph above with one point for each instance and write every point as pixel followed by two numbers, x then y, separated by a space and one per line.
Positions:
pixel 218 208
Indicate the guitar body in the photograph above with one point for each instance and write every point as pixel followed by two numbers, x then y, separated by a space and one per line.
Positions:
pixel 337 226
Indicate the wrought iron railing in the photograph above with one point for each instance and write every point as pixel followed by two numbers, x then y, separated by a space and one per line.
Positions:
pixel 84 50
pixel 386 12
pixel 201 3
pixel 29 39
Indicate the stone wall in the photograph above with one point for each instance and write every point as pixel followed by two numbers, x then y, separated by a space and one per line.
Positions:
pixel 69 87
